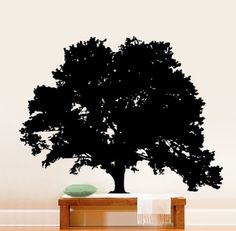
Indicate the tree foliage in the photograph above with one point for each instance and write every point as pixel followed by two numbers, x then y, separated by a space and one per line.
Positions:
pixel 113 109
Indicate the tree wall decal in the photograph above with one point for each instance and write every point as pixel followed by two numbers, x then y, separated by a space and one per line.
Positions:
pixel 113 109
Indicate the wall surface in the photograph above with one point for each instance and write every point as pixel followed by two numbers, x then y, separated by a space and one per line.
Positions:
pixel 33 35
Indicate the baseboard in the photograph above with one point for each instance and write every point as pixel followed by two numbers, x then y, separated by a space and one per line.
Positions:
pixel 29 217
pixel 50 217
pixel 210 217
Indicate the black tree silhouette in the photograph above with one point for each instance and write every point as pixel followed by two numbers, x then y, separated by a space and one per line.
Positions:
pixel 113 109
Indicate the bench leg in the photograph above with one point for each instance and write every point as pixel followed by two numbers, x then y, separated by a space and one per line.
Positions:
pixel 64 217
pixel 178 217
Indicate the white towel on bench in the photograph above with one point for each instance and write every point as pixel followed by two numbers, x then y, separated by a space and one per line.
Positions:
pixel 154 209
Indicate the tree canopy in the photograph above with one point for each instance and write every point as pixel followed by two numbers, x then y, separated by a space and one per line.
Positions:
pixel 112 109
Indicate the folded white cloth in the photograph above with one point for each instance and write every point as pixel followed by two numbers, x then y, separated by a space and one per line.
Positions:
pixel 154 209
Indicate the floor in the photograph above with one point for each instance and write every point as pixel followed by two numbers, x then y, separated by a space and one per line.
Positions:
pixel 119 229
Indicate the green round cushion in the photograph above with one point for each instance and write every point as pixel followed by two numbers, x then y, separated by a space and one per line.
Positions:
pixel 80 190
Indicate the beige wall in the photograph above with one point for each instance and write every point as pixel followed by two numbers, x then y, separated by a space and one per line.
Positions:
pixel 33 35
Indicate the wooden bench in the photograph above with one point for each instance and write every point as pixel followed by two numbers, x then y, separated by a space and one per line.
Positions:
pixel 177 208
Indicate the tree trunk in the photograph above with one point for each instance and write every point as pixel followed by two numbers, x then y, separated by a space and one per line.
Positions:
pixel 118 175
